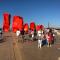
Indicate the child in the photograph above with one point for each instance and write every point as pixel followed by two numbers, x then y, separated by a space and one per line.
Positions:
pixel 49 39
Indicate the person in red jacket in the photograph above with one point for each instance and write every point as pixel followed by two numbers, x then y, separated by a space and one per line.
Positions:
pixel 49 38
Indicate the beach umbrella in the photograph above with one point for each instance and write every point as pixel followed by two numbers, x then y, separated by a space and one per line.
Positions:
pixel 6 22
pixel 26 27
pixel 32 26
pixel 17 23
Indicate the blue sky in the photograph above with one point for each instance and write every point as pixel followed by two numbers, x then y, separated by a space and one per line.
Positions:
pixel 38 11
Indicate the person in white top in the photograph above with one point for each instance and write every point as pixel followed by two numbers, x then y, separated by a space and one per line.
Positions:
pixel 40 36
pixel 17 33
pixel 32 33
